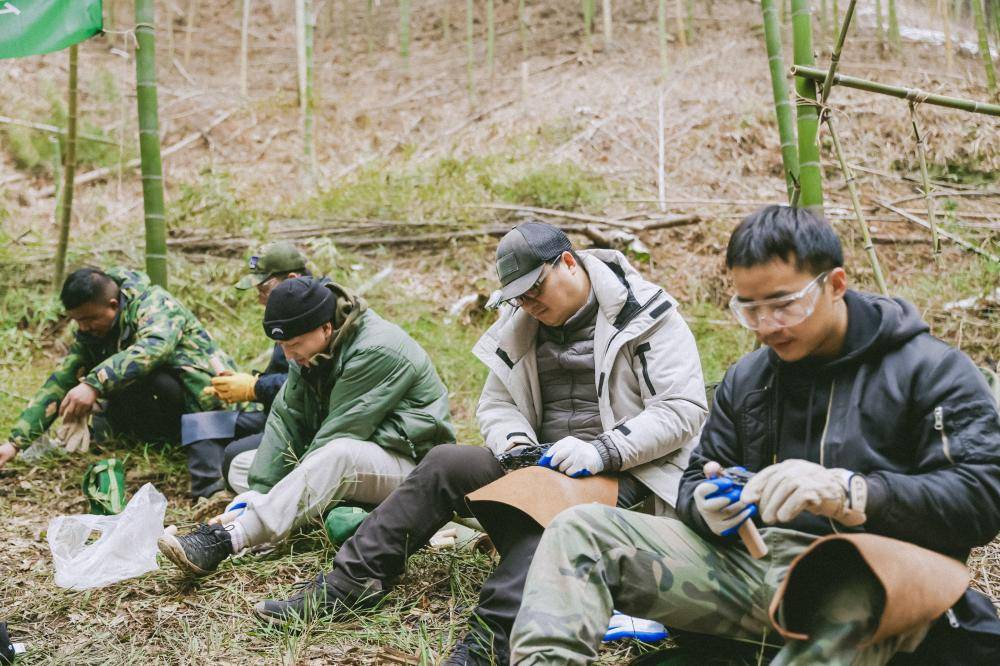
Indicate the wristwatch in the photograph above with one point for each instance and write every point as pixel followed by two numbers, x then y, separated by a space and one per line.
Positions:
pixel 856 488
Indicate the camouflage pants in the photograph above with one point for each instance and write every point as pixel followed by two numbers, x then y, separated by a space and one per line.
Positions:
pixel 594 558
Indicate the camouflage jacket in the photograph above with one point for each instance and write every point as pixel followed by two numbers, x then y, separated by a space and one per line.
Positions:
pixel 152 331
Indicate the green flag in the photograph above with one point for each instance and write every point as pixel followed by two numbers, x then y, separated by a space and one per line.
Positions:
pixel 33 27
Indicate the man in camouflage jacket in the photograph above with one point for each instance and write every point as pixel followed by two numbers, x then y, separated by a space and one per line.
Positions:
pixel 137 349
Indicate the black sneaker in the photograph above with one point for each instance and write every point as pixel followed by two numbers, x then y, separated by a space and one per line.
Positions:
pixel 199 552
pixel 322 597
pixel 470 651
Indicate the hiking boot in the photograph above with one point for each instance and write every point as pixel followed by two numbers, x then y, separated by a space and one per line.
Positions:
pixel 325 596
pixel 470 651
pixel 199 552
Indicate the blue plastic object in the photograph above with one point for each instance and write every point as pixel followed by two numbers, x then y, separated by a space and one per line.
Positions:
pixel 731 490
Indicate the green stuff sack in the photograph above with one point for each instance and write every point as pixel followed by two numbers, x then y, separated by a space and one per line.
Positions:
pixel 343 521
pixel 104 487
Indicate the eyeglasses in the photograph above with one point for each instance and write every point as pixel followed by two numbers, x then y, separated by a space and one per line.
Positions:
pixel 535 290
pixel 782 311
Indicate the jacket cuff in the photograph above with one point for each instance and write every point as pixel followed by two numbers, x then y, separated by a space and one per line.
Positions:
pixel 609 453
pixel 878 498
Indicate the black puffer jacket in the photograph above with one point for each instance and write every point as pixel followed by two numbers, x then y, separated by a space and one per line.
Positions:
pixel 910 412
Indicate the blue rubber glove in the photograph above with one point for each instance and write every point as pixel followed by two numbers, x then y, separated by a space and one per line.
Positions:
pixel 573 457
pixel 718 501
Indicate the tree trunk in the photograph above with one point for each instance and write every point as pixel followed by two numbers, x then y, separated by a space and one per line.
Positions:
pixel 149 142
pixel 69 173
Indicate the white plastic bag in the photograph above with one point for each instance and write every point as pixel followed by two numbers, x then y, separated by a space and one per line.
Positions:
pixel 126 547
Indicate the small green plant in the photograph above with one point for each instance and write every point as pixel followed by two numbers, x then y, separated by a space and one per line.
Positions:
pixel 562 186
pixel 211 204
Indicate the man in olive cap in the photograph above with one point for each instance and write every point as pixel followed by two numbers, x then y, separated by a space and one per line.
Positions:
pixel 588 360
pixel 361 406
pixel 221 444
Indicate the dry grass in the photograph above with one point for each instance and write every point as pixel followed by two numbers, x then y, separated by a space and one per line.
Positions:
pixel 597 112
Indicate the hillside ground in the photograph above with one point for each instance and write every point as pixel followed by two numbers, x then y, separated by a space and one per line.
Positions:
pixel 404 150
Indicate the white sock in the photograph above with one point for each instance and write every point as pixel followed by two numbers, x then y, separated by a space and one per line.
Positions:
pixel 238 536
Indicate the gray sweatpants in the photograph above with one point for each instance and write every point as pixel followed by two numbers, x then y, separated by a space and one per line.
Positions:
pixel 343 469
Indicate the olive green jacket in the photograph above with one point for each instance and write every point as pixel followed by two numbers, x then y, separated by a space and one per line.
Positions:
pixel 379 386
pixel 152 330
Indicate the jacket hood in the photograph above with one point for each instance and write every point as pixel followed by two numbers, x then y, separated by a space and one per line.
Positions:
pixel 891 323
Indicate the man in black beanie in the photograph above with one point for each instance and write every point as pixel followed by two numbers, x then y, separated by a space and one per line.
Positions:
pixel 361 406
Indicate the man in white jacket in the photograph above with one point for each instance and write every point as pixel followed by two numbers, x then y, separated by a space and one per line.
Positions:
pixel 588 359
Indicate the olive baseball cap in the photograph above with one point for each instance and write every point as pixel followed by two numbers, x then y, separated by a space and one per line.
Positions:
pixel 272 259
pixel 523 253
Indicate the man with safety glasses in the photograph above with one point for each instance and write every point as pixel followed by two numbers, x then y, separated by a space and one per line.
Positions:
pixel 854 419
pixel 589 360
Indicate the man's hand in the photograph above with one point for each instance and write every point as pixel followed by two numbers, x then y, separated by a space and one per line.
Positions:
pixel 79 402
pixel 725 512
pixel 573 457
pixel 788 488
pixel 234 387
pixel 7 453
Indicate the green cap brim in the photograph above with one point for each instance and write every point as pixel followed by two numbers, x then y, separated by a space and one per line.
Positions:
pixel 252 280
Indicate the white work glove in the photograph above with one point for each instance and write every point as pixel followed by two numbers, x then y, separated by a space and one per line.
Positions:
pixel 74 435
pixel 573 457
pixel 786 489
pixel 725 512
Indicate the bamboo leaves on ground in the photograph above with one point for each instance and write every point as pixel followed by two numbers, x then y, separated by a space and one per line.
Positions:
pixel 984 47
pixel 810 174
pixel 66 200
pixel 149 142
pixel 779 86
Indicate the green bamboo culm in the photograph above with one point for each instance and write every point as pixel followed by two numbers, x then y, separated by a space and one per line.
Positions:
pixel 522 28
pixel 984 47
pixel 894 39
pixel 661 26
pixel 149 142
pixel 925 181
pixel 779 85
pixel 588 25
pixel 995 10
pixel 810 173
pixel 404 31
pixel 470 47
pixel 491 38
pixel 689 20
pixel 309 97
pixel 69 173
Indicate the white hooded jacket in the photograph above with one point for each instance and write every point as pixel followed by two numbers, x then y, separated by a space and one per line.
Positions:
pixel 650 389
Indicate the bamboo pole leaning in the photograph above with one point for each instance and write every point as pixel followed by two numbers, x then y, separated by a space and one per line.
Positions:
pixel 779 87
pixel 926 183
pixel 984 47
pixel 914 94
pixel 69 172
pixel 149 142
pixel 810 173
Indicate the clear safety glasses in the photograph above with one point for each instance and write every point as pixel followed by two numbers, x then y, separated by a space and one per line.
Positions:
pixel 782 311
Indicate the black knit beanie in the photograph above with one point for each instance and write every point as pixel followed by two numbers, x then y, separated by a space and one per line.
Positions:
pixel 298 306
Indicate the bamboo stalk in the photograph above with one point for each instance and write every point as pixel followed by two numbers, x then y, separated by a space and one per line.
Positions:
pixel 779 87
pixel 879 26
pixel 810 173
pixel 858 210
pixel 309 102
pixel 689 20
pixel 69 172
pixel 404 32
pixel 926 182
pixel 470 35
pixel 679 16
pixel 661 185
pixel 189 31
pixel 149 142
pixel 491 36
pixel 588 25
pixel 607 21
pixel 949 56
pixel 984 47
pixel 244 46
pixel 837 49
pixel 893 27
pixel 914 94
pixel 661 26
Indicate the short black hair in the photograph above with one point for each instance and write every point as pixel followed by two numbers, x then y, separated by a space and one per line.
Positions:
pixel 790 234
pixel 87 285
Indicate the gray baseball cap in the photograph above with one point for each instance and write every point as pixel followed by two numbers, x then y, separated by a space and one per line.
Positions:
pixel 523 253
